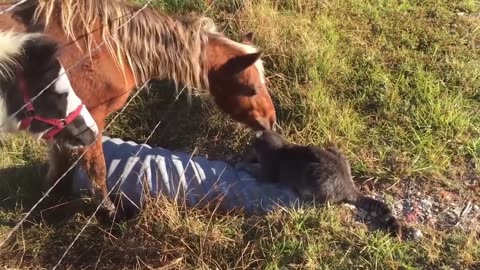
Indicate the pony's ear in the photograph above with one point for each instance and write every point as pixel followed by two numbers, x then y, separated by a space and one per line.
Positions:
pixel 25 12
pixel 241 62
pixel 41 48
pixel 248 38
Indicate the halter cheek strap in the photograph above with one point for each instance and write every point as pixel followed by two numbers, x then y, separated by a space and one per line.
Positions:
pixel 57 124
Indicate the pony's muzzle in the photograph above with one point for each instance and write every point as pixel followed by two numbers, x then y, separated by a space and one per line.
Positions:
pixel 79 137
pixel 81 132
pixel 89 122
pixel 265 123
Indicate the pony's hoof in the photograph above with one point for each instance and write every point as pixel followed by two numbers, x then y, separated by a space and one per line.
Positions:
pixel 109 213
pixel 118 215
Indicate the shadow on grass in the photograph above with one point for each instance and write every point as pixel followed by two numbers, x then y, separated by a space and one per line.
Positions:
pixel 183 126
pixel 21 186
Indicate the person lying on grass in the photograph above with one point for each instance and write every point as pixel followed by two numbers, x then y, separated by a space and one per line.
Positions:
pixel 294 175
pixel 137 172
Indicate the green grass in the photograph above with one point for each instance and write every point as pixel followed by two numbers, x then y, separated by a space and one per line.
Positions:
pixel 394 84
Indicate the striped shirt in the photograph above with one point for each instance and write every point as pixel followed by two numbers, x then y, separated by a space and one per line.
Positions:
pixel 196 181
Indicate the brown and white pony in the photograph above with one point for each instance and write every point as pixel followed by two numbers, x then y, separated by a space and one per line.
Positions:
pixel 36 95
pixel 134 46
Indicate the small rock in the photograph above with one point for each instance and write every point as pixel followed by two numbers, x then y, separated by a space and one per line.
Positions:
pixel 426 204
pixel 458 211
pixel 408 206
pixel 417 234
pixel 451 216
pixel 445 195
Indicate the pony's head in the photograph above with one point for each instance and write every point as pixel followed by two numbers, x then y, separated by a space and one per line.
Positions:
pixel 237 82
pixel 41 99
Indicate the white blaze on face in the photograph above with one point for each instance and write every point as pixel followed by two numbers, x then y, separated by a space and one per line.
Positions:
pixel 62 85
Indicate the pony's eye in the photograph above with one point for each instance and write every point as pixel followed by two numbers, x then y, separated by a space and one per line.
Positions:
pixel 62 95
pixel 255 87
pixel 249 91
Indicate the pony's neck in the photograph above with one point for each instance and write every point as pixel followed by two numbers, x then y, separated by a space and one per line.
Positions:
pixel 181 55
pixel 157 46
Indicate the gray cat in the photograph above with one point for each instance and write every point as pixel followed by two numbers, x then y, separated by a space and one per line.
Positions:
pixel 320 175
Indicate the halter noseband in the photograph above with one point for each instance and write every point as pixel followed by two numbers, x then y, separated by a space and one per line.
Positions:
pixel 58 124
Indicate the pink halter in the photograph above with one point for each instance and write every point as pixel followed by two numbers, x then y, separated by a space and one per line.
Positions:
pixel 58 124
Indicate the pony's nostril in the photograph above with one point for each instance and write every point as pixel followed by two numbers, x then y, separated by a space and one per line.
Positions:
pixel 79 142
pixel 83 138
pixel 264 123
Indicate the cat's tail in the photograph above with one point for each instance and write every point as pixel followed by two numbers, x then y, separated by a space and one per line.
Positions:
pixel 375 208
pixel 380 211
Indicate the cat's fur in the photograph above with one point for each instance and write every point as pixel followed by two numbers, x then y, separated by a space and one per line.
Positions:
pixel 320 175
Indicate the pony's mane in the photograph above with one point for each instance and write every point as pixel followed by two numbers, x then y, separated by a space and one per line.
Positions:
pixel 153 44
pixel 11 47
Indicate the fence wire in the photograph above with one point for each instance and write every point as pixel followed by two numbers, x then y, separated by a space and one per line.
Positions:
pixel 15 228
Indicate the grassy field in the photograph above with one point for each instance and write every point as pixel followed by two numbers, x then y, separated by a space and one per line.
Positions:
pixel 394 84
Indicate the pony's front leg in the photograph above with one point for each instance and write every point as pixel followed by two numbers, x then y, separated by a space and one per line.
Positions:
pixel 93 163
pixel 60 159
pixel 95 168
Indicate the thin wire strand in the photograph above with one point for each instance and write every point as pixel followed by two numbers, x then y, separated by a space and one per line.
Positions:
pixel 120 180
pixel 78 160
pixel 39 201
pixel 62 176
pixel 122 176
pixel 13 6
